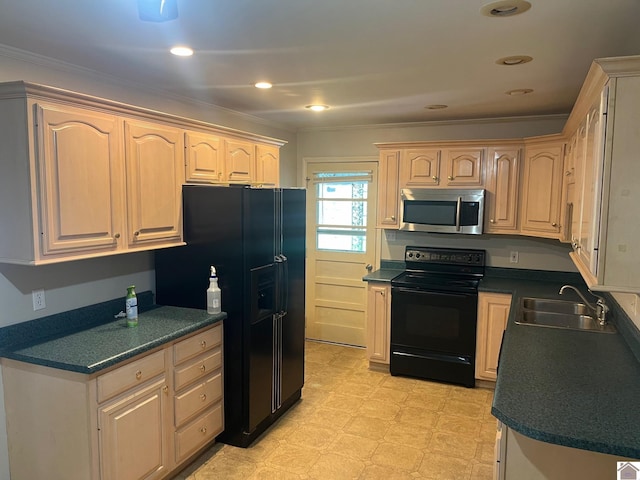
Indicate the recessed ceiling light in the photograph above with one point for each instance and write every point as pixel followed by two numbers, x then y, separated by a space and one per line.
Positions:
pixel 519 91
pixel 514 60
pixel 436 107
pixel 263 85
pixel 317 108
pixel 182 51
pixel 505 8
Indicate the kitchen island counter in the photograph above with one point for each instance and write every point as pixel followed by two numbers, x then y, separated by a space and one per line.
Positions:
pixel 574 388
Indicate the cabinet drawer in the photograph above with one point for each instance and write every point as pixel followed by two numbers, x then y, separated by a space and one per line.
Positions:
pixel 197 344
pixel 198 368
pixel 199 432
pixel 198 398
pixel 128 376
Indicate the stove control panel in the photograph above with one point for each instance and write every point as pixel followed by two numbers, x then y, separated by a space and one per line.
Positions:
pixel 450 256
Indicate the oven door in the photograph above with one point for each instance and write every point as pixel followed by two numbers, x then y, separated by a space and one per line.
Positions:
pixel 434 321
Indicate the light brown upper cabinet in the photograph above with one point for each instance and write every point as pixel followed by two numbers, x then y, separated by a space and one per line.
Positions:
pixel 463 167
pixel 267 166
pixel 388 191
pixel 154 163
pixel 420 167
pixel 542 186
pixel 80 197
pixel 240 161
pixel 86 177
pixel 204 157
pixel 441 167
pixel 502 189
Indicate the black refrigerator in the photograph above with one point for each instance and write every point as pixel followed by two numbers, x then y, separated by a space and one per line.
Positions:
pixel 256 240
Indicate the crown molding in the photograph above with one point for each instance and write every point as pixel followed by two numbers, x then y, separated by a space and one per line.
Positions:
pixel 90 74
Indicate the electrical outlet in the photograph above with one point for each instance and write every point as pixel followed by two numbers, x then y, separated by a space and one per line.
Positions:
pixel 513 257
pixel 38 299
pixel 391 235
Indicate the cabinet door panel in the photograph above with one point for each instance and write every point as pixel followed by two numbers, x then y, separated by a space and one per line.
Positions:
pixel 502 190
pixel 464 167
pixel 204 158
pixel 81 189
pixel 542 190
pixel 154 181
pixel 493 313
pixel 378 324
pixel 388 194
pixel 132 436
pixel 420 168
pixel 239 161
pixel 267 166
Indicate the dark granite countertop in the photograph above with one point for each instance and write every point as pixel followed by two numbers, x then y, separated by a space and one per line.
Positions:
pixel 388 270
pixel 103 345
pixel 575 388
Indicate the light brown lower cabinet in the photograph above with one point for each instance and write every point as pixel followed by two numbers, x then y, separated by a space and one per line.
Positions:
pixel 493 313
pixel 140 420
pixel 378 324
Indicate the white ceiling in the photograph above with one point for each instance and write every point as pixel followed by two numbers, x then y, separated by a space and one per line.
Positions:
pixel 372 61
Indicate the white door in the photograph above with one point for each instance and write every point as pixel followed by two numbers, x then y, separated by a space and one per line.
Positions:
pixel 341 203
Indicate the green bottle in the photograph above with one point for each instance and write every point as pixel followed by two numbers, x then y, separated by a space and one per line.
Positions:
pixel 132 307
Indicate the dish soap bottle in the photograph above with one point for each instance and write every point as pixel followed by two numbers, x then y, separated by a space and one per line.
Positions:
pixel 213 293
pixel 131 304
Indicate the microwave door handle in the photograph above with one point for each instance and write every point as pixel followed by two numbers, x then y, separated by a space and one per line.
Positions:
pixel 458 210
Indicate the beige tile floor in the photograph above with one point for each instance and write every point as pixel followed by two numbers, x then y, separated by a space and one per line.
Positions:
pixel 354 423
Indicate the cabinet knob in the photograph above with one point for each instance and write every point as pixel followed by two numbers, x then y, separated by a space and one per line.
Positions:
pixel 203 430
pixel 450 177
pixel 393 217
pixel 138 375
pixel 567 173
pixel 117 235
pixel 136 234
pixel 202 368
pixel 382 292
pixel 554 224
pixel 165 389
pixel 492 221
pixel 435 179
pixel 203 397
pixel 203 344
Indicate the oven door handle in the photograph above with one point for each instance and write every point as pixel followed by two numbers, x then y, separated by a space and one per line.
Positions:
pixel 458 211
pixel 414 291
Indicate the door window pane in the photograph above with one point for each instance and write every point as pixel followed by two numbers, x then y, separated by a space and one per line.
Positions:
pixel 342 211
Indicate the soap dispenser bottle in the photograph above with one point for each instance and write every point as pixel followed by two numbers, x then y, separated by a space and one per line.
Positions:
pixel 131 304
pixel 213 293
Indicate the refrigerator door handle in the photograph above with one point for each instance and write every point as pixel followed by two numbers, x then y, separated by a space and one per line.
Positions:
pixel 285 286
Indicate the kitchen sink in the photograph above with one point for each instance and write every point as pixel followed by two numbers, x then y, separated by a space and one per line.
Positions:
pixel 542 312
pixel 554 306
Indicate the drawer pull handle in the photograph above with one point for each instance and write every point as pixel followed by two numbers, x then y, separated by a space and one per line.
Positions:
pixel 203 344
pixel 203 430
pixel 203 397
pixel 138 375
pixel 202 368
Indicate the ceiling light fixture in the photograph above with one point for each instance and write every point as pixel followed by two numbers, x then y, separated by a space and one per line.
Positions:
pixel 519 91
pixel 157 10
pixel 436 107
pixel 263 85
pixel 182 51
pixel 514 60
pixel 505 8
pixel 317 107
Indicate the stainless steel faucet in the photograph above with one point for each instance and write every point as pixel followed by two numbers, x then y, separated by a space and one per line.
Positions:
pixel 600 308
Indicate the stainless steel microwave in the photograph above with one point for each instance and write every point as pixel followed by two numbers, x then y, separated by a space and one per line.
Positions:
pixel 442 210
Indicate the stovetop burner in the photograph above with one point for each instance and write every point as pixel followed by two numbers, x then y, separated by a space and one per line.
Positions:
pixel 439 269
